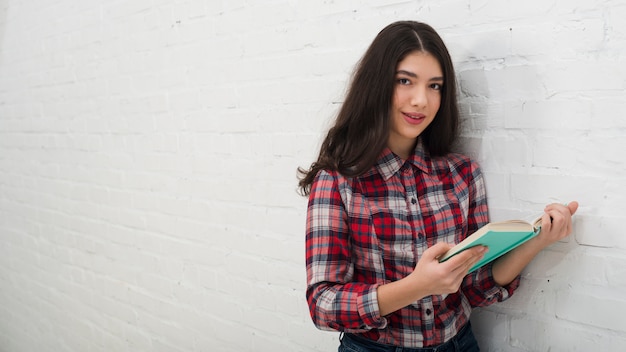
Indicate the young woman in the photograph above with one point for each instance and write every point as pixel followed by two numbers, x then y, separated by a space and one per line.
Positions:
pixel 387 197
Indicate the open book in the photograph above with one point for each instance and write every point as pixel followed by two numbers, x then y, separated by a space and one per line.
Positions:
pixel 499 237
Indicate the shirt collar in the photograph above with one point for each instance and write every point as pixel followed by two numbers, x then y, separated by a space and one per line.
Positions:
pixel 389 163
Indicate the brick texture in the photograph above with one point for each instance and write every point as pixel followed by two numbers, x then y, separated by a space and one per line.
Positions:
pixel 148 152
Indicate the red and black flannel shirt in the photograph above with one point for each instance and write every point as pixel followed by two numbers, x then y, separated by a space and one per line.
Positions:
pixel 366 231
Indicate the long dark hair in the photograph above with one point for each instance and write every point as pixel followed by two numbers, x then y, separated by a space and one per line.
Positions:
pixel 361 129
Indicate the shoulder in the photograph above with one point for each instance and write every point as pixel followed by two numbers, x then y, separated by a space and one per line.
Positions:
pixel 325 177
pixel 324 181
pixel 329 183
pixel 331 191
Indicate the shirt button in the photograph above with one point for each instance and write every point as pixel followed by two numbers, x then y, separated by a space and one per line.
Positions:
pixel 428 311
pixel 413 200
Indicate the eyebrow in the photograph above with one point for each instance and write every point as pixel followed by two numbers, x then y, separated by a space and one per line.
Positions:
pixel 411 74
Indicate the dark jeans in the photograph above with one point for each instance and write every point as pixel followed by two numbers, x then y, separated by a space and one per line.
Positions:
pixel 464 341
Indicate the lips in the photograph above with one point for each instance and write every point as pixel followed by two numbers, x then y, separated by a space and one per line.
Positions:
pixel 414 117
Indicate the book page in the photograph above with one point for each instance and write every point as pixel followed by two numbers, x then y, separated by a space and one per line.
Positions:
pixel 535 220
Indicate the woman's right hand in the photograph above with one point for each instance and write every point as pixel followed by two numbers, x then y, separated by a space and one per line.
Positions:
pixel 437 278
pixel 428 278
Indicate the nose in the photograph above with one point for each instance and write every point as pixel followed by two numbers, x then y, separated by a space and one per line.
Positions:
pixel 418 97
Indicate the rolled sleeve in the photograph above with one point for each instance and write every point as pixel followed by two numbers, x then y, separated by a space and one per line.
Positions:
pixel 482 290
pixel 369 311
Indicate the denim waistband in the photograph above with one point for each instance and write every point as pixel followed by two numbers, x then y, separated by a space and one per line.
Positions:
pixel 450 345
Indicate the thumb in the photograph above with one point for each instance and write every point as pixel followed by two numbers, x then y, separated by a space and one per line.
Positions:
pixel 572 206
pixel 437 250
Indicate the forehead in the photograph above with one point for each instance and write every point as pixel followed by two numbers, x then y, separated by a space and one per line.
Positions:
pixel 420 62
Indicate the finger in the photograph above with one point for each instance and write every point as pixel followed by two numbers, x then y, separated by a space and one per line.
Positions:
pixel 567 209
pixel 569 228
pixel 469 264
pixel 557 207
pixel 559 211
pixel 436 251
pixel 546 222
pixel 461 271
pixel 556 221
pixel 467 259
pixel 478 258
pixel 561 221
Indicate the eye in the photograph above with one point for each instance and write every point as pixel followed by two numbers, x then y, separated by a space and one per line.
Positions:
pixel 436 86
pixel 404 81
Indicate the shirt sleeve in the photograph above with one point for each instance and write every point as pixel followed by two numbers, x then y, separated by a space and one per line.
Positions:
pixel 479 287
pixel 335 302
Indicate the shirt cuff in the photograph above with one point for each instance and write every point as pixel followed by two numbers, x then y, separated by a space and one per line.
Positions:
pixel 492 291
pixel 369 310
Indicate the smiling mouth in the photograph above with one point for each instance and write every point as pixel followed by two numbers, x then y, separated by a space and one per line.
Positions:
pixel 414 116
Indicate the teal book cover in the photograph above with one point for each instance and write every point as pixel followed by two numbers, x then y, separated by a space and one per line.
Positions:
pixel 499 237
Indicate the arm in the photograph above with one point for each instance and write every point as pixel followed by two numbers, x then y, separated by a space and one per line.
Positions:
pixel 335 301
pixel 556 225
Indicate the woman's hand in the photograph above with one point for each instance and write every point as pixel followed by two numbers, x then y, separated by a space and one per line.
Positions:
pixel 437 278
pixel 428 278
pixel 556 223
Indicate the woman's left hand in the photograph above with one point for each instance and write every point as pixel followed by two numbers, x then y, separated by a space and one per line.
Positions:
pixel 556 223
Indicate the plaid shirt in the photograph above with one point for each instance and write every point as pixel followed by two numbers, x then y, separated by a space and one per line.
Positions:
pixel 366 231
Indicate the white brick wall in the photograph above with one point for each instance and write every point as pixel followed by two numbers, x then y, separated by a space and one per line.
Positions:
pixel 148 153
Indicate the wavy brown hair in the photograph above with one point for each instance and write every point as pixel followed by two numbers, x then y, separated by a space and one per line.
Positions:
pixel 362 126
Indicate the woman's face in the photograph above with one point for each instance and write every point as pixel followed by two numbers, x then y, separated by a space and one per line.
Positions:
pixel 417 97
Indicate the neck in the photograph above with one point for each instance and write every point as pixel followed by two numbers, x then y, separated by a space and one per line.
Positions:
pixel 403 148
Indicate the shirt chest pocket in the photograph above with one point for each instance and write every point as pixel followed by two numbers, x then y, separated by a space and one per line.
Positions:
pixel 444 220
pixel 395 235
